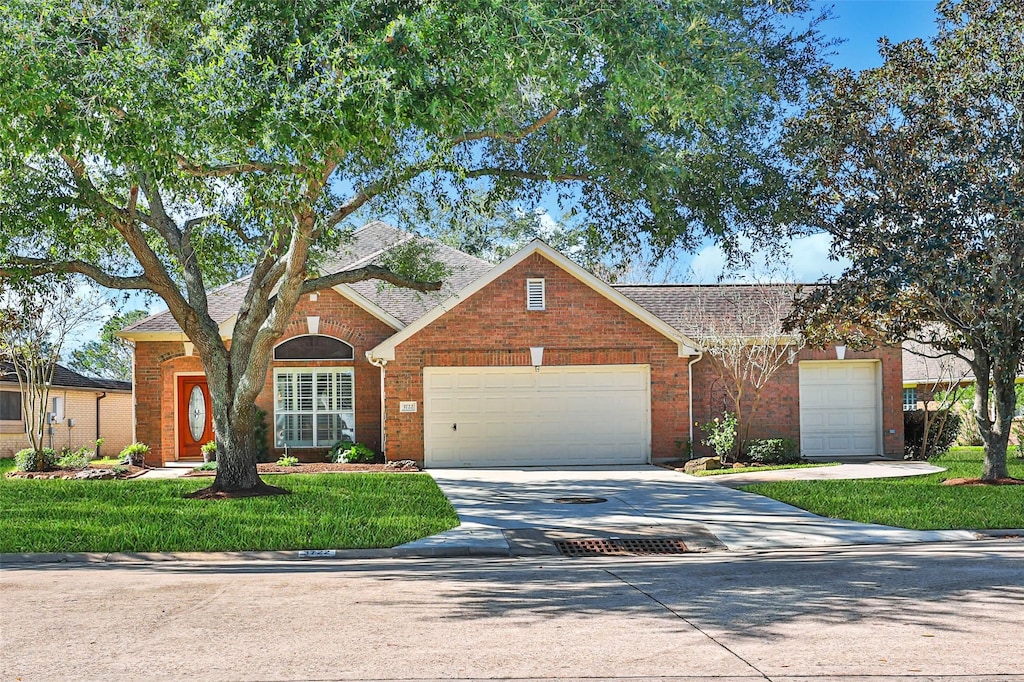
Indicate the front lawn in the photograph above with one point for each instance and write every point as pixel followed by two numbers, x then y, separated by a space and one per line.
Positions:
pixel 324 511
pixel 919 502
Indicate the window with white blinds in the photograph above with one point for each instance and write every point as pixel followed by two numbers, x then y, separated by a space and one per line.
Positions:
pixel 535 294
pixel 313 408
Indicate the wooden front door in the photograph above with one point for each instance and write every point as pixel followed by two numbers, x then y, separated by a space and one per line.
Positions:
pixel 195 416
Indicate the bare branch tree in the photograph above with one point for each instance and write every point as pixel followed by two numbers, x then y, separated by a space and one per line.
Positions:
pixel 34 327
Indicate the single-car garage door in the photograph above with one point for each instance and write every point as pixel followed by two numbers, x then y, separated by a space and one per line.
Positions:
pixel 517 416
pixel 839 408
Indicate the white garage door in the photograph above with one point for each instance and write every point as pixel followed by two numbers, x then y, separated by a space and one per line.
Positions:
pixel 516 416
pixel 839 408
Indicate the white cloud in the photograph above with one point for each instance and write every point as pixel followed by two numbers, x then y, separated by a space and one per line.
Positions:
pixel 808 261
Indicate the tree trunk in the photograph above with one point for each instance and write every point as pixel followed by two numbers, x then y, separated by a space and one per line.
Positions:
pixel 234 424
pixel 997 435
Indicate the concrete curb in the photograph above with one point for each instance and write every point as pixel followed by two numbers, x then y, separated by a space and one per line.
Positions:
pixel 28 558
pixel 999 533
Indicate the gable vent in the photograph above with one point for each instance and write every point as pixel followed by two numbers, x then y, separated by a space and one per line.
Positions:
pixel 535 294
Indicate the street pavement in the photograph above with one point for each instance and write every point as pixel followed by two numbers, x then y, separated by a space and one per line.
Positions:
pixel 944 611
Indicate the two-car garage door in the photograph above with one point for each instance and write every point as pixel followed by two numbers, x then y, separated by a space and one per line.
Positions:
pixel 517 416
pixel 840 411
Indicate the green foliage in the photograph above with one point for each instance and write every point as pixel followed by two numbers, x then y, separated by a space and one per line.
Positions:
pixel 206 466
pixel 209 450
pixel 721 435
pixel 262 437
pixel 287 461
pixel 111 356
pixel 32 460
pixel 135 454
pixel 773 451
pixel 119 469
pixel 75 459
pixel 344 451
pixel 943 431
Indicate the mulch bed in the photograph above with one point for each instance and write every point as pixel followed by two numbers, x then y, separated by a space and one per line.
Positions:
pixel 131 472
pixel 324 467
pixel 978 481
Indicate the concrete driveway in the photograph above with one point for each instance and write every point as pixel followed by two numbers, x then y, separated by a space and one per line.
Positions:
pixel 490 501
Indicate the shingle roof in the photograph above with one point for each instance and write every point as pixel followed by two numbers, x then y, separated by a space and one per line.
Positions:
pixel 733 309
pixel 66 378
pixel 926 364
pixel 369 243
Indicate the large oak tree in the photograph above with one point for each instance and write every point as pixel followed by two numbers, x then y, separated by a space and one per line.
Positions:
pixel 169 147
pixel 918 174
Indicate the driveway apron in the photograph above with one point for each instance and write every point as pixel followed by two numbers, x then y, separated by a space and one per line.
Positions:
pixel 489 500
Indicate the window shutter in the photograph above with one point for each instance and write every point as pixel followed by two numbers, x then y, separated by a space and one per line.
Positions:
pixel 535 294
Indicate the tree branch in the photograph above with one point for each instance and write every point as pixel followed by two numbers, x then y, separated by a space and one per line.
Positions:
pixel 222 170
pixel 526 175
pixel 364 273
pixel 41 266
pixel 508 137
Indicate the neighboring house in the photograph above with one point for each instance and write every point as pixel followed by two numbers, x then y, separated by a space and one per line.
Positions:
pixel 84 409
pixel 533 361
pixel 928 371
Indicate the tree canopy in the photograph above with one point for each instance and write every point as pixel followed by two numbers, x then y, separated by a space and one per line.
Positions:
pixel 110 357
pixel 173 148
pixel 916 172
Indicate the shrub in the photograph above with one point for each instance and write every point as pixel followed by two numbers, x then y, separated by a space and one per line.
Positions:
pixel 30 460
pixel 353 453
pixel 119 469
pixel 721 435
pixel 77 459
pixel 287 461
pixel 941 436
pixel 206 466
pixel 773 451
pixel 135 454
pixel 262 439
pixel 209 451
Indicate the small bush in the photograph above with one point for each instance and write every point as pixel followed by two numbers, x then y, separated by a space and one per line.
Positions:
pixel 773 451
pixel 119 469
pixel 206 466
pixel 353 453
pixel 135 454
pixel 941 435
pixel 287 461
pixel 30 460
pixel 721 435
pixel 78 459
pixel 209 451
pixel 262 437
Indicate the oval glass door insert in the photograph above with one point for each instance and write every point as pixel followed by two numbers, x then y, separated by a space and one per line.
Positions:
pixel 197 413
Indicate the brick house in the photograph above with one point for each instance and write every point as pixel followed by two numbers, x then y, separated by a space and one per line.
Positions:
pixel 533 361
pixel 84 410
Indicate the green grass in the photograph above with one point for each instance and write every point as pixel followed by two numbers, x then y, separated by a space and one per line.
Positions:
pixel 324 511
pixel 771 467
pixel 919 502
pixel 106 461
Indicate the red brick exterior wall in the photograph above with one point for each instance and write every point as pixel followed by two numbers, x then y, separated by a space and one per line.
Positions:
pixel 778 414
pixel 158 362
pixel 579 327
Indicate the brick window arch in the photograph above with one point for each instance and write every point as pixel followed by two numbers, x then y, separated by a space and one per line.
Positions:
pixel 313 347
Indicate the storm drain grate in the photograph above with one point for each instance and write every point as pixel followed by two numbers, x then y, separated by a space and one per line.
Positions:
pixel 620 546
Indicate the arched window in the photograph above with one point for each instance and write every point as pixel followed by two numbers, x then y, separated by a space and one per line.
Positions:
pixel 313 347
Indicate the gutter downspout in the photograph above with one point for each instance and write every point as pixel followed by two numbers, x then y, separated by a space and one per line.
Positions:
pixel 689 393
pixel 98 399
pixel 376 362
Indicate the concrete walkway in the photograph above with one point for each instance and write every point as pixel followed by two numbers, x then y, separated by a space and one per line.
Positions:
pixel 492 502
pixel 850 470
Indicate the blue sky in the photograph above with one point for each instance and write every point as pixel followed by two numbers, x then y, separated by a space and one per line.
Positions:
pixel 858 24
